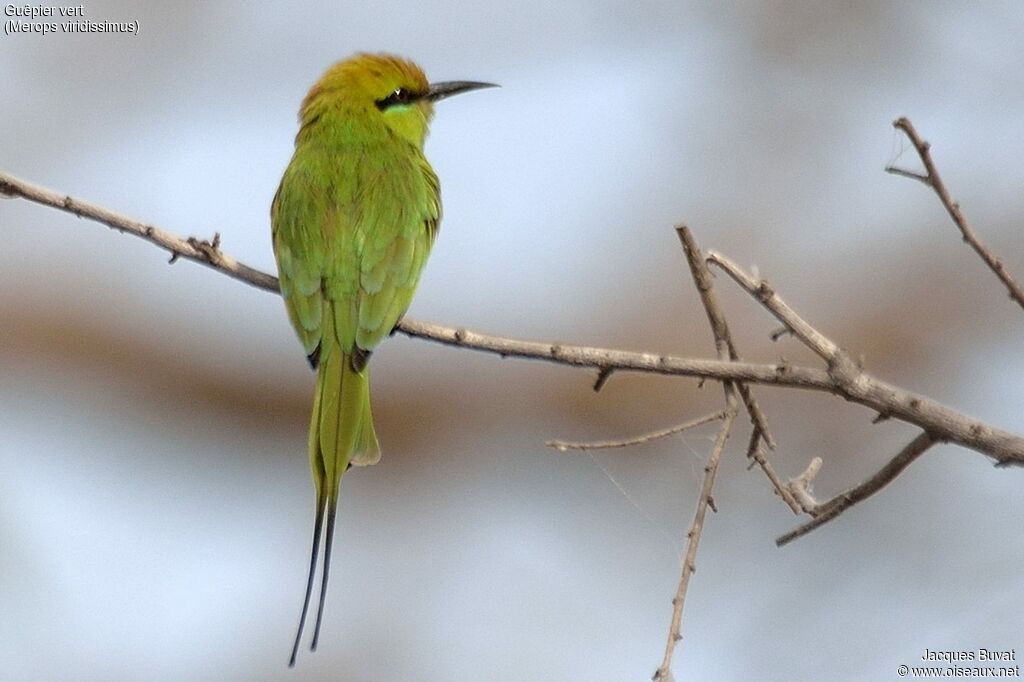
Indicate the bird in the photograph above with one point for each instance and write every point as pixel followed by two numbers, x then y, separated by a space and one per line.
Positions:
pixel 353 221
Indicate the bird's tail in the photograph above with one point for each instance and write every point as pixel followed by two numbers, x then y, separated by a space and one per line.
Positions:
pixel 341 434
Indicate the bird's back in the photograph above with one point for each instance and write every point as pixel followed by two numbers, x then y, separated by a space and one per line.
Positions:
pixel 354 220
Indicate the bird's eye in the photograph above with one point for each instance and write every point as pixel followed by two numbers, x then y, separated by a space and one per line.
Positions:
pixel 398 97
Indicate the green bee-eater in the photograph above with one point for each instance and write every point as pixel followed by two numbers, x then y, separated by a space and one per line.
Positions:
pixel 353 221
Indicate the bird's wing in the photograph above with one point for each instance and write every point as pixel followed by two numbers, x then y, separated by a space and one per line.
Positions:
pixel 297 217
pixel 398 231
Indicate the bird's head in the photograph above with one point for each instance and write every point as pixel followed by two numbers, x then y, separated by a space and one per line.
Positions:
pixel 380 92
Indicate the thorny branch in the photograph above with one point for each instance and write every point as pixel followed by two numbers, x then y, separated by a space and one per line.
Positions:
pixel 720 328
pixel 945 423
pixel 852 383
pixel 693 536
pixel 726 352
pixel 842 377
pixel 932 178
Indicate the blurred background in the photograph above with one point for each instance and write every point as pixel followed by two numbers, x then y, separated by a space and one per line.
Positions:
pixel 155 497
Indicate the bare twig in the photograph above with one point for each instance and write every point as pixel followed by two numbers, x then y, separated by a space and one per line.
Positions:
pixel 726 352
pixel 719 327
pixel 693 536
pixel 851 382
pixel 755 454
pixel 757 416
pixel 946 424
pixel 763 292
pixel 826 511
pixel 932 178
pixel 192 249
pixel 624 361
pixel 904 173
pixel 563 445
pixel 723 340
pixel 705 287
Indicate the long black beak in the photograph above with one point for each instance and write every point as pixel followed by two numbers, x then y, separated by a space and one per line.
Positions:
pixel 439 91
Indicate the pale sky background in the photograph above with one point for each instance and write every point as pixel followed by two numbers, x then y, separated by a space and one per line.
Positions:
pixel 155 497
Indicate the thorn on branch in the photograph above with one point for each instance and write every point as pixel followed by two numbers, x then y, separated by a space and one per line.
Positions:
pixel 780 332
pixel 920 177
pixel 603 375
pixel 662 676
pixel 71 206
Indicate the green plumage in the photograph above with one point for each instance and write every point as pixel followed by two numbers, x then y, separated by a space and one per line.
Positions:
pixel 353 222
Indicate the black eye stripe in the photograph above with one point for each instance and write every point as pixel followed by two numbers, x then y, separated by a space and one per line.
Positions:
pixel 398 97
